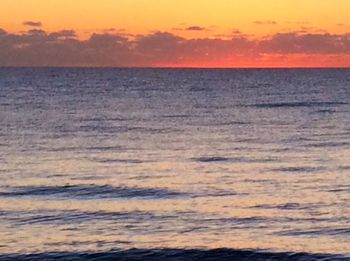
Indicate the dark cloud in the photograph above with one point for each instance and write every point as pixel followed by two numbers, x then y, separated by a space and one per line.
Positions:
pixel 265 22
pixel 306 43
pixel 64 34
pixel 195 28
pixel 342 25
pixel 2 32
pixel 110 30
pixel 32 24
pixel 306 29
pixel 236 31
pixel 63 48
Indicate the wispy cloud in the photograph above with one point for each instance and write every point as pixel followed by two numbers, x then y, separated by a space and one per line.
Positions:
pixel 32 24
pixel 196 28
pixel 267 22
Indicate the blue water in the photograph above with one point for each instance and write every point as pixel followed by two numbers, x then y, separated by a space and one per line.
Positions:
pixel 174 163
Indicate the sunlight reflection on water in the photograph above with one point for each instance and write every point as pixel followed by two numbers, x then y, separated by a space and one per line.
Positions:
pixel 95 159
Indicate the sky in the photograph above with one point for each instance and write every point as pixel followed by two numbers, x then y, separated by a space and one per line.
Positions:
pixel 181 33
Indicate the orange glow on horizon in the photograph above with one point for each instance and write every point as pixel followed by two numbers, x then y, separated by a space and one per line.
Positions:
pixel 206 20
pixel 272 61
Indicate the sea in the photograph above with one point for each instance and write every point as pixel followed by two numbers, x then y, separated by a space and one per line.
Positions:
pixel 174 164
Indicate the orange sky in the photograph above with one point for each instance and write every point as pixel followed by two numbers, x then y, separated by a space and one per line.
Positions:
pixel 194 19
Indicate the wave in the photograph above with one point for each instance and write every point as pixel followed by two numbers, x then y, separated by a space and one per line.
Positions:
pixel 201 89
pixel 327 144
pixel 109 129
pixel 222 124
pixel 343 231
pixel 210 159
pixel 90 192
pixel 287 206
pixel 295 104
pixel 76 217
pixel 87 192
pixel 123 161
pixel 174 254
pixel 304 169
pixel 104 119
pixel 341 188
pixel 82 148
pixel 233 159
pixel 177 116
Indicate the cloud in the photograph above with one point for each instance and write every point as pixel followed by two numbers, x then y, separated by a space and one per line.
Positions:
pixel 2 32
pixel 63 34
pixel 306 43
pixel 37 47
pixel 265 22
pixel 236 31
pixel 195 28
pixel 32 24
pixel 342 25
pixel 62 48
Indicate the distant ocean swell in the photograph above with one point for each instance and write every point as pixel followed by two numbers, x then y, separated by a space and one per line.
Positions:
pixel 176 255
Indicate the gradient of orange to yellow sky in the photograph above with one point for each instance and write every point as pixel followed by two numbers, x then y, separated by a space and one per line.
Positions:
pixel 142 16
pixel 189 19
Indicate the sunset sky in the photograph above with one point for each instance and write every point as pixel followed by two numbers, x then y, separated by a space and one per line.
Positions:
pixel 182 33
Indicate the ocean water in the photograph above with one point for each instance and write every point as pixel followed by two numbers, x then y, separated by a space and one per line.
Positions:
pixel 172 161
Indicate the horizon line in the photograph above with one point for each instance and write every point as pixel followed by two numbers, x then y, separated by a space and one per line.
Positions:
pixel 180 67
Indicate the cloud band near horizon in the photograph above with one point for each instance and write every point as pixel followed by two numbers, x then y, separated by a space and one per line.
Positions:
pixel 37 47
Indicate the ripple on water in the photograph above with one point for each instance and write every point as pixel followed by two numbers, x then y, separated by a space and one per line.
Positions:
pixel 210 159
pixel 55 217
pixel 233 159
pixel 296 104
pixel 90 192
pixel 176 254
pixel 343 231
pixel 301 169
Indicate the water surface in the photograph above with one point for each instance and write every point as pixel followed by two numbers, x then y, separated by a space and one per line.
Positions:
pixel 101 159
